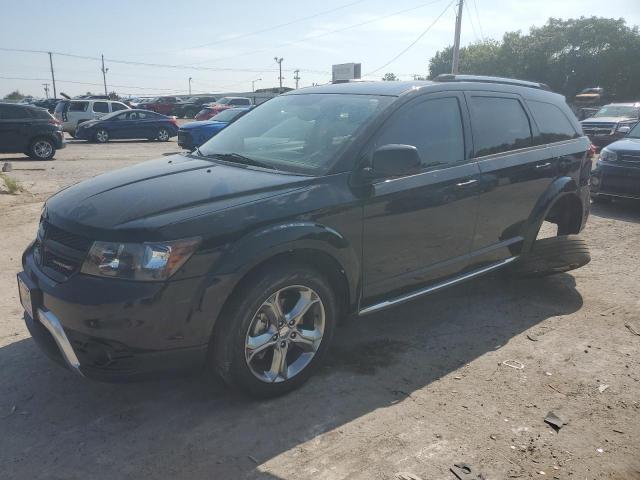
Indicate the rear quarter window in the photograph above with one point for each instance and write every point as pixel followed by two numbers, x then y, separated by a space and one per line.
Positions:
pixel 13 112
pixel 553 124
pixel 40 114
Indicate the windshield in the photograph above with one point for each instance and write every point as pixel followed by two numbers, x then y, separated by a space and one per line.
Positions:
pixel 617 111
pixel 227 115
pixel 298 133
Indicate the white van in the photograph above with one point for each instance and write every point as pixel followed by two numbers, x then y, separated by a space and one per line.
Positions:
pixel 73 112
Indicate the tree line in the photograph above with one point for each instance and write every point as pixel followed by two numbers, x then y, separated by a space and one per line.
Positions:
pixel 568 55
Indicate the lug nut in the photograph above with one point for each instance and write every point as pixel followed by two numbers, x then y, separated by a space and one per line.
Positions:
pixel 293 334
pixel 275 337
pixel 280 323
pixel 292 323
pixel 283 344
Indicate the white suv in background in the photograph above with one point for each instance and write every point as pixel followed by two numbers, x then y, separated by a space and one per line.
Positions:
pixel 73 112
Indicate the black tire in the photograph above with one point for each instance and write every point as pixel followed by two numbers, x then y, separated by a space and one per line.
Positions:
pixel 228 347
pixel 602 199
pixel 163 135
pixel 42 148
pixel 553 255
pixel 101 136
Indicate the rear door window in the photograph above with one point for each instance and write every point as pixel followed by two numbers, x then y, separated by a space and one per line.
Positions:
pixel 499 124
pixel 101 107
pixel 40 114
pixel 553 124
pixel 78 106
pixel 434 127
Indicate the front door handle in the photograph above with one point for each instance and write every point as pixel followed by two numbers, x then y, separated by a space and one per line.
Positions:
pixel 467 183
pixel 544 165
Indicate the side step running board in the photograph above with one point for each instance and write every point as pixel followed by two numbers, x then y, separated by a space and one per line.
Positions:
pixel 433 288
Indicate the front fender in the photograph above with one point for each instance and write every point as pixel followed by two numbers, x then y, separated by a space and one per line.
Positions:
pixel 561 187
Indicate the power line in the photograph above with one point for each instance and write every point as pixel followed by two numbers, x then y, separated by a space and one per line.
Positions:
pixel 322 34
pixel 475 6
pixel 274 27
pixel 473 28
pixel 405 50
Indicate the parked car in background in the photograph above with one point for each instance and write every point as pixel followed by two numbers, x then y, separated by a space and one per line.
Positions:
pixel 617 172
pixel 212 109
pixel 194 134
pixel 129 124
pixel 611 122
pixel 48 103
pixel 191 106
pixel 29 130
pixel 323 202
pixel 74 112
pixel 163 105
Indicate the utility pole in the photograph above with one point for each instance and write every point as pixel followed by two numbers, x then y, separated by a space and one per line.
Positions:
pixel 104 76
pixel 253 84
pixel 53 77
pixel 296 77
pixel 46 89
pixel 190 85
pixel 279 62
pixel 456 41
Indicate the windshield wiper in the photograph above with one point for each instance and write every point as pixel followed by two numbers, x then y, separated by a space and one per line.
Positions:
pixel 237 158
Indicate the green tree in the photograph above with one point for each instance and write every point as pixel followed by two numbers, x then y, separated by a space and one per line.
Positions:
pixel 389 77
pixel 14 96
pixel 113 96
pixel 568 55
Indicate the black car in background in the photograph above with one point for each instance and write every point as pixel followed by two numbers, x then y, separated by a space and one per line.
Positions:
pixel 29 130
pixel 48 103
pixel 617 172
pixel 322 202
pixel 128 124
pixel 191 106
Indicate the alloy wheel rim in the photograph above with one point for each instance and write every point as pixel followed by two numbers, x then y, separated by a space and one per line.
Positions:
pixel 42 149
pixel 102 136
pixel 284 334
pixel 163 135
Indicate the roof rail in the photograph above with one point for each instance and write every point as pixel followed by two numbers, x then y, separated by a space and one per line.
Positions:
pixel 448 77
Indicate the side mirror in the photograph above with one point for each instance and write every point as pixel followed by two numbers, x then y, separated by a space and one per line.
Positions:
pixel 624 130
pixel 395 160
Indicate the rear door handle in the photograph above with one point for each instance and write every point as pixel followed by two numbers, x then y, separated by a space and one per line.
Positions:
pixel 467 183
pixel 543 165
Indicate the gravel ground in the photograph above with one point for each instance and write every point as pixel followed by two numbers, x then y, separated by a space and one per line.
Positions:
pixel 413 389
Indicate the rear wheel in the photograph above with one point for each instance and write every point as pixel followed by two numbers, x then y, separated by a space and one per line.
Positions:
pixel 275 331
pixel 101 136
pixel 163 135
pixel 553 255
pixel 42 149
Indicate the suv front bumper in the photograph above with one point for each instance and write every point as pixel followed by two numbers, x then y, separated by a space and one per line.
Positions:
pixel 115 331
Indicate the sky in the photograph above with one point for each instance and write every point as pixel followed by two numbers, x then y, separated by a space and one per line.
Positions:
pixel 223 46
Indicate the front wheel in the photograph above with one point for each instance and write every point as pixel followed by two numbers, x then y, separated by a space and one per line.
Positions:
pixel 275 331
pixel 101 136
pixel 163 135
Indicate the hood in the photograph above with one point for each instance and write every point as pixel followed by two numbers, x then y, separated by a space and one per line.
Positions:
pixel 607 119
pixel 203 123
pixel 626 144
pixel 162 192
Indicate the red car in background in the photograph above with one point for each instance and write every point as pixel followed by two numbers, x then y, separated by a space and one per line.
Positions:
pixel 162 105
pixel 214 108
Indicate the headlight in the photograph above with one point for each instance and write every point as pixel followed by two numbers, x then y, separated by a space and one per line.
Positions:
pixel 138 261
pixel 607 155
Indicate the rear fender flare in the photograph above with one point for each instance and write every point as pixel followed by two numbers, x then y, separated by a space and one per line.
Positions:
pixel 561 187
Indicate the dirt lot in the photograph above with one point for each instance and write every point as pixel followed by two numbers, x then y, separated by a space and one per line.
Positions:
pixel 414 389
